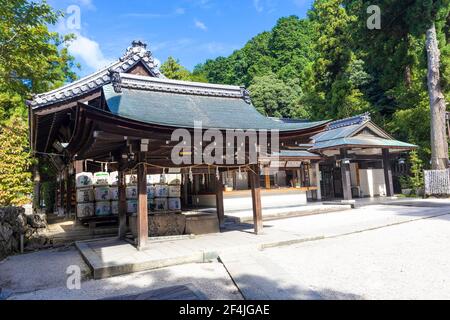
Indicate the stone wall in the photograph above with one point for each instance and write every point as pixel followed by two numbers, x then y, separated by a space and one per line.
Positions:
pixel 14 223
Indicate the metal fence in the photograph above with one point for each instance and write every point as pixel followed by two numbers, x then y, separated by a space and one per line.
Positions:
pixel 437 182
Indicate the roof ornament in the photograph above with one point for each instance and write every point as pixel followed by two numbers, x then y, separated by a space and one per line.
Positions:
pixel 116 80
pixel 246 95
pixel 139 44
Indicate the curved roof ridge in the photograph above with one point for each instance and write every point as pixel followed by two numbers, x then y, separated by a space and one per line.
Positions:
pixel 358 119
pixel 132 81
pixel 134 54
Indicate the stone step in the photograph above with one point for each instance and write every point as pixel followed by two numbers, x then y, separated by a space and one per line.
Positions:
pixel 230 218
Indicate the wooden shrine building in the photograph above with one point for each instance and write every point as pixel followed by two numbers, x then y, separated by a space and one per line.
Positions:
pixel 126 116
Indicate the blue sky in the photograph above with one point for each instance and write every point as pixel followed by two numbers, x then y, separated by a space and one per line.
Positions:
pixel 189 30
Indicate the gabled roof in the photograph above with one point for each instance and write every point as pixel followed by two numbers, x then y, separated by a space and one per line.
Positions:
pixel 134 55
pixel 180 103
pixel 356 131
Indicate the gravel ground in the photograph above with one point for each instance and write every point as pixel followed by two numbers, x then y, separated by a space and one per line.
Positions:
pixel 211 279
pixel 39 270
pixel 407 261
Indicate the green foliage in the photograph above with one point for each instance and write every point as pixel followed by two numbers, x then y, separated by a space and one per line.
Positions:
pixel 172 69
pixel 48 194
pixel 32 60
pixel 15 162
pixel 416 179
pixel 273 97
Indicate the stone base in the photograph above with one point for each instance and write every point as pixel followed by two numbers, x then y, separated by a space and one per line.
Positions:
pixel 202 224
pixel 161 225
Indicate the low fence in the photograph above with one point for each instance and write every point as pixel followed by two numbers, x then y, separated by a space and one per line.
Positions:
pixel 437 182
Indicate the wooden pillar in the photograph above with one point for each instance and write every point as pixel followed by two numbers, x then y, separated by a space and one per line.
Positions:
pixel 345 172
pixel 61 193
pixel 267 177
pixel 142 214
pixel 122 205
pixel 256 199
pixel 388 173
pixel 36 187
pixel 185 190
pixel 219 201
pixel 69 191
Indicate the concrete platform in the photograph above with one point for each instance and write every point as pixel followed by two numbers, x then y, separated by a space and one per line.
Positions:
pixel 112 257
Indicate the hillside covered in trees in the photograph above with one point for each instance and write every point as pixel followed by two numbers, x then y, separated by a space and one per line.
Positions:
pixel 330 65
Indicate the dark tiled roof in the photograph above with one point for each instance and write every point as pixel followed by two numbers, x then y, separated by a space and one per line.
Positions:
pixel 348 132
pixel 179 104
pixel 296 153
pixel 362 141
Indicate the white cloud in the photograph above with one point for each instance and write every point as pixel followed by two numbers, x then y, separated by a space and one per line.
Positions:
pixel 217 48
pixel 89 52
pixel 180 11
pixel 258 5
pixel 89 4
pixel 200 25
pixel 177 12
pixel 300 3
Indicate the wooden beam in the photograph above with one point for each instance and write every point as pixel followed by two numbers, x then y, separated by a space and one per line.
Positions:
pixel 142 214
pixel 219 201
pixel 122 205
pixel 388 173
pixel 345 172
pixel 256 199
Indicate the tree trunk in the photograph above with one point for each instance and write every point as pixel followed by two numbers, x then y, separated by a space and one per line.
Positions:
pixel 439 145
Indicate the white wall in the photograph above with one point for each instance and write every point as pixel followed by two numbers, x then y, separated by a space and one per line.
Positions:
pixel 243 201
pixel 268 200
pixel 372 182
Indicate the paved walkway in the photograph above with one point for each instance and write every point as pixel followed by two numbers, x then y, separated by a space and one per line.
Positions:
pixel 402 256
pixel 404 261
pixel 111 257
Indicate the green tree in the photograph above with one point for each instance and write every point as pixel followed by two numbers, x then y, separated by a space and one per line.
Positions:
pixel 32 60
pixel 172 69
pixel 416 179
pixel 273 97
pixel 15 162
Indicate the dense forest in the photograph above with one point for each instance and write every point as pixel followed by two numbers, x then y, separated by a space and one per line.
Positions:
pixel 329 65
